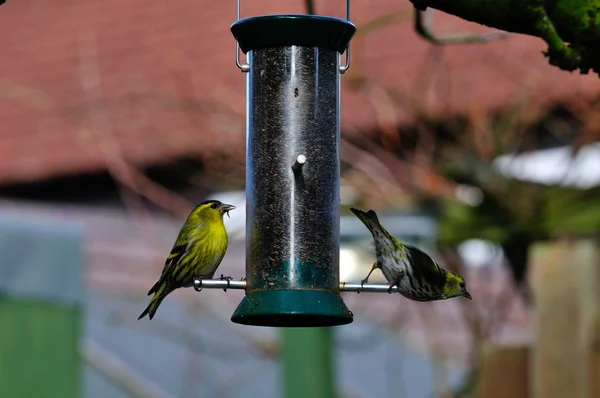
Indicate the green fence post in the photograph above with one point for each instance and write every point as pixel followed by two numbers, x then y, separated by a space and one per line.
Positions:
pixel 40 306
pixel 308 362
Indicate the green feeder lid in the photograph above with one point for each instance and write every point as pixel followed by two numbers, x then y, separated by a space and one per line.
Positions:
pixel 293 30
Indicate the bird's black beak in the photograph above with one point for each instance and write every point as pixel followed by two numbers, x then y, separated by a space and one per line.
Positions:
pixel 467 295
pixel 225 209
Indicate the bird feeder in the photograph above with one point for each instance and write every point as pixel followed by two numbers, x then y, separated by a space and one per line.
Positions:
pixel 292 171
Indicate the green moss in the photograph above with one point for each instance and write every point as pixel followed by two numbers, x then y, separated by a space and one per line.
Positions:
pixel 582 17
pixel 571 28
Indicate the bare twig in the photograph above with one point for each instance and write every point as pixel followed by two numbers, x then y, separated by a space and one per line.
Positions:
pixel 222 92
pixel 26 96
pixel 409 175
pixel 310 7
pixel 371 167
pixel 103 131
pixel 379 22
pixel 423 23
pixel 120 374
pixel 144 186
pixel 191 340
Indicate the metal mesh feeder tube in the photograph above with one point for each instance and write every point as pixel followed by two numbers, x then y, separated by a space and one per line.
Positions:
pixel 292 170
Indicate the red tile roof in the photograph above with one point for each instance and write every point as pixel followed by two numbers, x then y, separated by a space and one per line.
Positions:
pixel 86 84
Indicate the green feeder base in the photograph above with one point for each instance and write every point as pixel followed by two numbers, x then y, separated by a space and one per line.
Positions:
pixel 292 308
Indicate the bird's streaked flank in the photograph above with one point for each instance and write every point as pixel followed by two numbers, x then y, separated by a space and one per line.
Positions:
pixel 417 276
pixel 197 252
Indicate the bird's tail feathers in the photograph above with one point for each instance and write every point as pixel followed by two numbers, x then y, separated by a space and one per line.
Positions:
pixel 154 288
pixel 158 297
pixel 163 278
pixel 368 218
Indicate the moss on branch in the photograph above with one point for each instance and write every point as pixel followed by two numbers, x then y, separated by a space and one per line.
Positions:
pixel 571 28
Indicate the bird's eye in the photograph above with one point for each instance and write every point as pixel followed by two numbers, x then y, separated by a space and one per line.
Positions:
pixel 462 285
pixel 214 205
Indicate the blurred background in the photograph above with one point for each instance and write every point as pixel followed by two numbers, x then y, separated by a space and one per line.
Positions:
pixel 116 117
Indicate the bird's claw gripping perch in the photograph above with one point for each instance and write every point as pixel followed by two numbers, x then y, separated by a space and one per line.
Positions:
pixel 228 279
pixel 391 287
pixel 362 282
pixel 198 286
pixel 376 265
pixel 396 282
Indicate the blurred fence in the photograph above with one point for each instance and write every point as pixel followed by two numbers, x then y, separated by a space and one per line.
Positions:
pixel 563 359
pixel 41 304
pixel 394 347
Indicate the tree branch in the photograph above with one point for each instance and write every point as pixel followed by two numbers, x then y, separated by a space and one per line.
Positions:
pixel 423 22
pixel 310 6
pixel 557 22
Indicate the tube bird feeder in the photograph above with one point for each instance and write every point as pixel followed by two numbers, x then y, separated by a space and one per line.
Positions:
pixel 292 169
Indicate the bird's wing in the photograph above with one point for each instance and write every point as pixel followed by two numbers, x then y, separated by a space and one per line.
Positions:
pixel 424 266
pixel 172 259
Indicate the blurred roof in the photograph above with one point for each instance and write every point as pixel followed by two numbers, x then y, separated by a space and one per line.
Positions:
pixel 85 86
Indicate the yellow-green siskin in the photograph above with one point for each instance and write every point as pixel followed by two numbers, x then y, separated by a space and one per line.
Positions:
pixel 417 276
pixel 197 252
